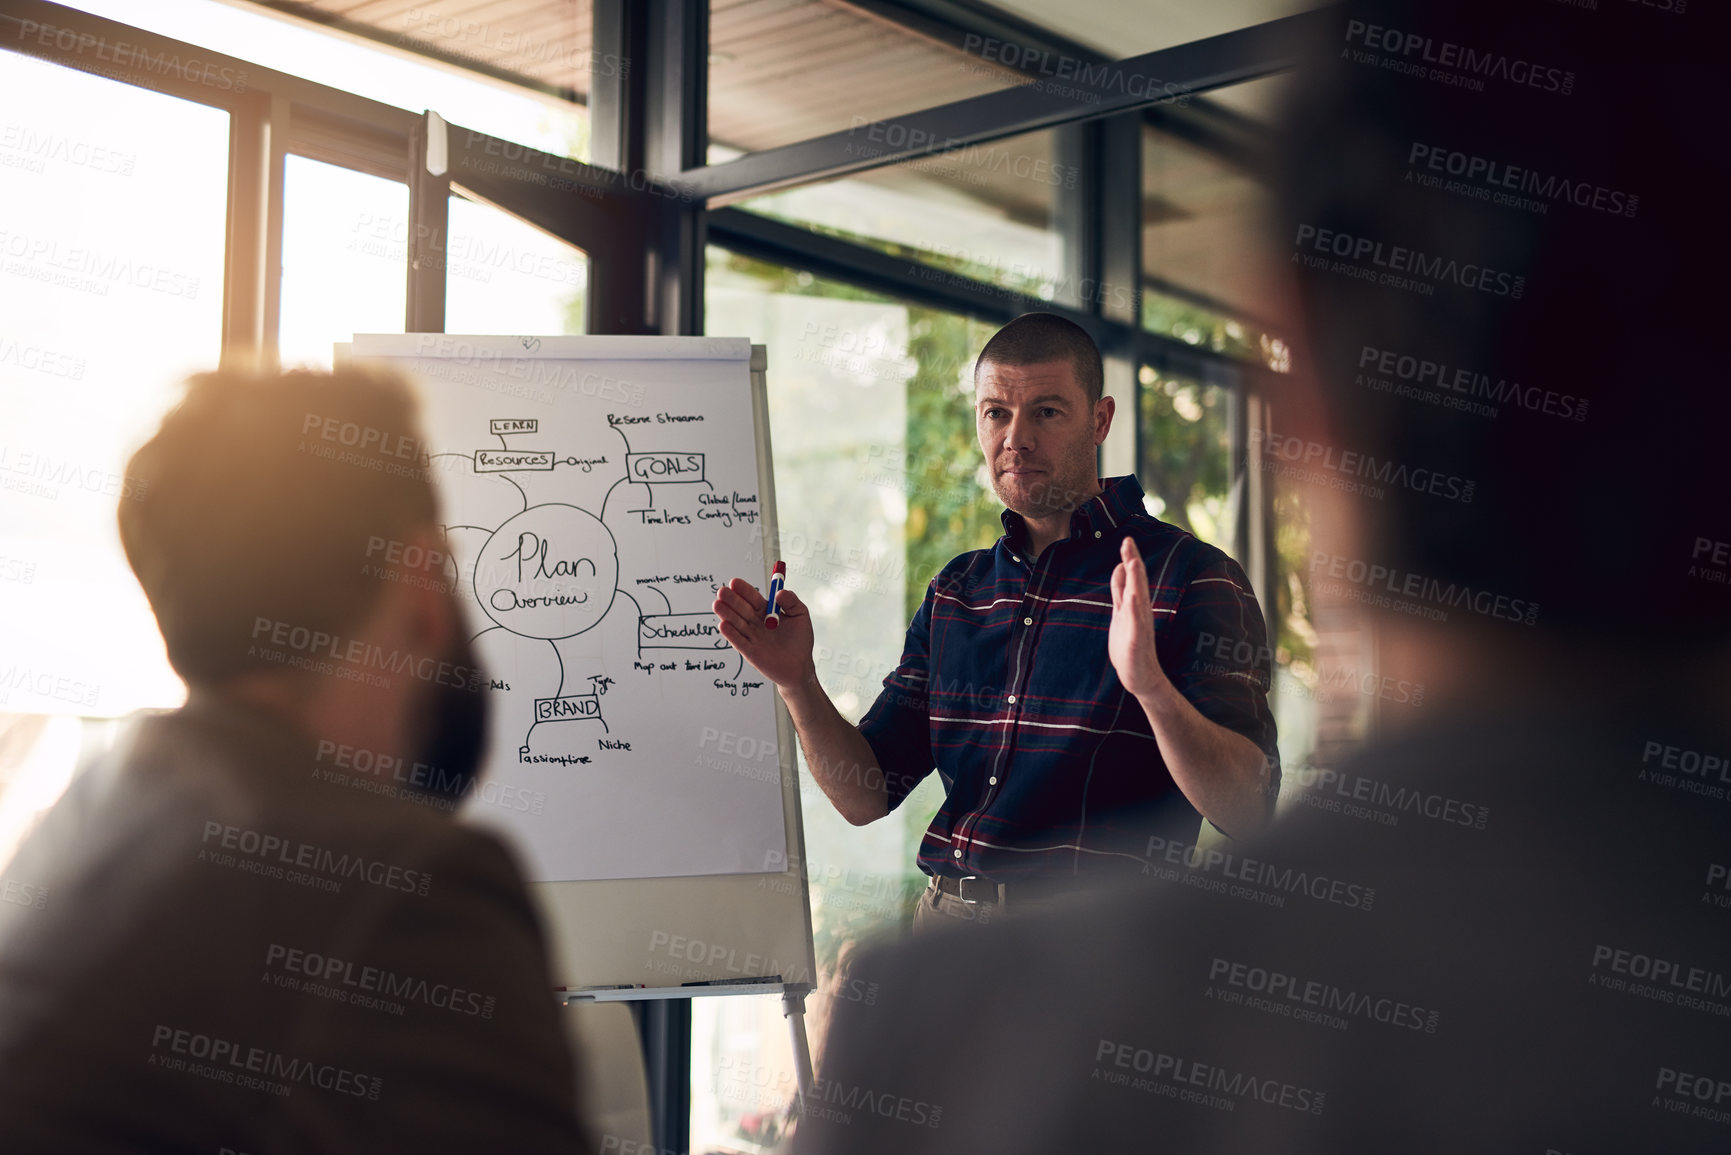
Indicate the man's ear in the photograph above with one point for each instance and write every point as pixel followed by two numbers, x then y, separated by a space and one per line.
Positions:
pixel 1103 411
pixel 433 614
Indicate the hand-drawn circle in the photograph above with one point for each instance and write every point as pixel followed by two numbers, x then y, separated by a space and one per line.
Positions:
pixel 549 572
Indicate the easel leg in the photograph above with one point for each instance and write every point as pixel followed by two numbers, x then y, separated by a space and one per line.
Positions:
pixel 793 1007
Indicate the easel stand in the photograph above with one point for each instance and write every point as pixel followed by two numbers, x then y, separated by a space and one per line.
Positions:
pixel 793 997
pixel 793 1008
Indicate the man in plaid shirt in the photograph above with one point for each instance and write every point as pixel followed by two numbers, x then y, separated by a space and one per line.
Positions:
pixel 1086 688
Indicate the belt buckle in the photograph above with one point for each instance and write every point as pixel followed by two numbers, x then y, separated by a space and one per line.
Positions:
pixel 962 890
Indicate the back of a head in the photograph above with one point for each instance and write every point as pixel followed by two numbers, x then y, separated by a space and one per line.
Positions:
pixel 259 495
pixel 1498 217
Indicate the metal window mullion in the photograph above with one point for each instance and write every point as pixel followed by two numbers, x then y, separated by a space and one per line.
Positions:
pixel 618 90
pixel 429 231
pixel 1240 464
pixel 1260 550
pixel 834 258
pixel 669 137
pixel 246 248
pixel 1113 290
pixel 675 140
pixel 1076 203
pixel 280 115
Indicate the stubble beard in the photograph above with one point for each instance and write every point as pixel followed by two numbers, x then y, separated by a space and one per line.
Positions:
pixel 1067 484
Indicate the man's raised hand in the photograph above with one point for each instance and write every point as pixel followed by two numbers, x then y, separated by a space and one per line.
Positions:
pixel 1130 640
pixel 782 655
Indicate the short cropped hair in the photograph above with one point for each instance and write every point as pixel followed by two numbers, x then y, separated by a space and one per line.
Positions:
pixel 1035 338
pixel 259 497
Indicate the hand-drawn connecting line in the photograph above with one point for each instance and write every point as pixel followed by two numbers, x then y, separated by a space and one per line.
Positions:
pixel 551 571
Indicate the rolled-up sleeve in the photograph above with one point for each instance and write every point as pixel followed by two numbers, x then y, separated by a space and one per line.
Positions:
pixel 1218 655
pixel 898 725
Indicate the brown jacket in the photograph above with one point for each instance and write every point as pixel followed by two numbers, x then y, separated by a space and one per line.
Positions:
pixel 211 945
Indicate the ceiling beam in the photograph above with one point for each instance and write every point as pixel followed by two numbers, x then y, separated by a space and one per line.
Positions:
pixel 1079 91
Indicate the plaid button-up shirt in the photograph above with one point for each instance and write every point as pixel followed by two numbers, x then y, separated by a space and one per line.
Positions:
pixel 1005 688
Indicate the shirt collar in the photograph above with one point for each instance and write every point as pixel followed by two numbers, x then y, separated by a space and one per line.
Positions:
pixel 1119 499
pixel 254 727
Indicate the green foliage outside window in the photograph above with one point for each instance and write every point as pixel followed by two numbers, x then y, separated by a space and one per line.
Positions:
pixel 1186 465
pixel 951 507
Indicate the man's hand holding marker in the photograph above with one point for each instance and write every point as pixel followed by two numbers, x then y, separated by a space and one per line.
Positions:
pixel 773 634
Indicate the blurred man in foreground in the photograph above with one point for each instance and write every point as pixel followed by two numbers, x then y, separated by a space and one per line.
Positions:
pixel 258 927
pixel 1503 926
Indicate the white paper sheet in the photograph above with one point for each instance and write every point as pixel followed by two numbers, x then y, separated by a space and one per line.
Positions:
pixel 596 490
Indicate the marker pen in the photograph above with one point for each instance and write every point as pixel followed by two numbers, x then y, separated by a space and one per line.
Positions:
pixel 777 579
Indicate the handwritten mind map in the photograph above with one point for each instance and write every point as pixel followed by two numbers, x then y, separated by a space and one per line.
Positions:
pixel 588 529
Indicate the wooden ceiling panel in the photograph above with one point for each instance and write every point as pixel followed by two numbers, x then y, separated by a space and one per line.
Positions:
pixel 789 70
pixel 545 42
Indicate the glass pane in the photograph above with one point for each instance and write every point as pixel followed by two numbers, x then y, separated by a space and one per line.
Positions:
pixel 344 258
pixel 742 1074
pixel 504 276
pixel 111 275
pixel 1205 254
pixel 984 213
pixel 1186 466
pixel 782 71
pixel 878 484
pixel 396 75
pixel 1312 721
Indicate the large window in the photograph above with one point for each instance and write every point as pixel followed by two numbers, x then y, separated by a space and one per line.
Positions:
pixel 345 258
pixel 345 265
pixel 1205 261
pixel 983 213
pixel 111 282
pixel 878 484
pixel 111 279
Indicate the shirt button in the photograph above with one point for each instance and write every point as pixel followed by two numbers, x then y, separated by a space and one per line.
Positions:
pixel 958 854
pixel 1015 558
pixel 1027 621
pixel 991 781
pixel 1012 699
pixel 1096 533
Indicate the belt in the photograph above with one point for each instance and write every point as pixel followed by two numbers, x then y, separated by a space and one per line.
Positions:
pixel 973 889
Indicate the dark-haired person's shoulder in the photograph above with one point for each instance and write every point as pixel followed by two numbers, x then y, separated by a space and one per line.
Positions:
pixel 1385 970
pixel 997 1075
pixel 198 882
pixel 476 1059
